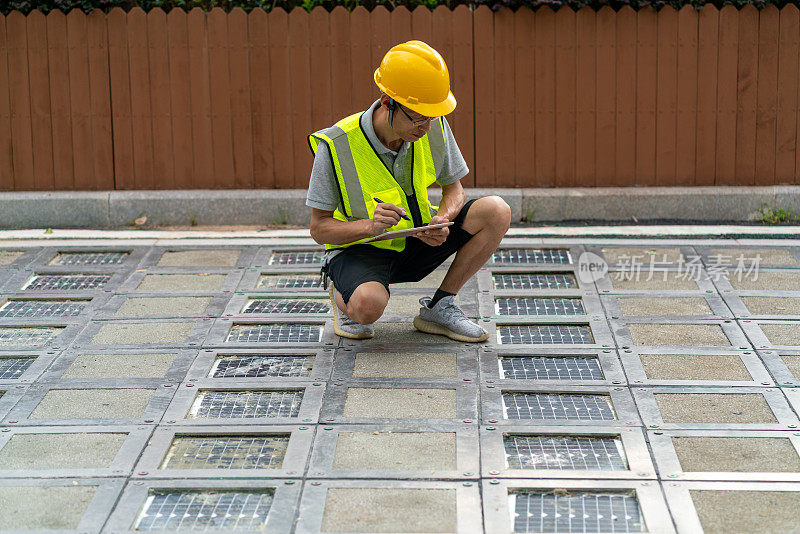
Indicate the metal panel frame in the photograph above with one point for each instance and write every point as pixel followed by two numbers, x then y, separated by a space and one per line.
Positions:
pixel 280 517
pixel 121 465
pixel 20 414
pixel 312 506
pixel 607 358
pixel 48 254
pixel 262 257
pixel 718 307
pixel 110 308
pixel 11 395
pixel 597 324
pixel 246 255
pixel 729 327
pixel 590 300
pixel 621 400
pixel 679 498
pixel 493 463
pixel 99 508
pixel 178 410
pixel 333 407
pixel 238 301
pixel 651 502
pixel 294 462
pixel 648 408
pixel 16 283
pixel 130 285
pixel 735 302
pixel 704 283
pixel 773 361
pixel 686 250
pixel 196 336
pixel 666 458
pixel 32 373
pixel 466 453
pixel 574 250
pixel 61 340
pixel 249 281
pixel 176 372
pixel 635 370
pixel 725 287
pixel 486 281
pixel 466 365
pixel 321 370
pixel 222 327
pixel 759 339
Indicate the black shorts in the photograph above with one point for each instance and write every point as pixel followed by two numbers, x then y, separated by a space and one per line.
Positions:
pixel 364 263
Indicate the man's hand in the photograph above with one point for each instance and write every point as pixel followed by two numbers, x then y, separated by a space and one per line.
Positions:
pixel 386 215
pixel 435 237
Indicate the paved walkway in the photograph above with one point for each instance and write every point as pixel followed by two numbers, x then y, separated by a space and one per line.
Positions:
pixel 192 380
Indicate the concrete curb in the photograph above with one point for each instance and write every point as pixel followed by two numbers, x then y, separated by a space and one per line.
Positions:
pixel 118 209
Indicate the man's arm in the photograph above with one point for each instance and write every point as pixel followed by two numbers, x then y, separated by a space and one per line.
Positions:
pixel 452 201
pixel 327 230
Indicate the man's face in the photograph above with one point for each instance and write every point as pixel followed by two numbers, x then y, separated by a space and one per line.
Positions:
pixel 408 124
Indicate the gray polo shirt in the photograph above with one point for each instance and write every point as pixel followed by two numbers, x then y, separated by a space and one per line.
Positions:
pixel 322 189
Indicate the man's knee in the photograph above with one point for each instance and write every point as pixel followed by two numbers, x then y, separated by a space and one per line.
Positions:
pixel 491 212
pixel 367 303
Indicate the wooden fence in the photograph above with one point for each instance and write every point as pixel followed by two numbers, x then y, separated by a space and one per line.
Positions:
pixel 213 100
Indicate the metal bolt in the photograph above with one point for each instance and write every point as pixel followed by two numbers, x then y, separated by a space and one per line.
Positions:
pixel 490 428
pixel 316 483
pixel 467 380
pixel 658 433
pixel 764 383
pixel 289 482
pixel 468 474
pixel 170 422
pixel 148 420
pixel 467 420
pixel 317 384
pixel 672 476
pixel 327 428
pixel 291 472
pixel 189 385
pixel 142 472
pixel 167 385
pixel 642 474
pixel 492 420
pixel 494 481
pixel 490 387
pixel 138 483
pixel 467 484
pixel 490 381
pixel 330 420
pixel 653 426
pixel 6 430
pixel 494 472
pixel 303 428
pixel 790 426
pixel 12 421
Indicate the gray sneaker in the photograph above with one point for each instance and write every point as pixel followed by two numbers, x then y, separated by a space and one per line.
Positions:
pixel 447 319
pixel 344 326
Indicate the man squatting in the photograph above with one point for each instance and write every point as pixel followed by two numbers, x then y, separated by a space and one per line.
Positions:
pixel 371 173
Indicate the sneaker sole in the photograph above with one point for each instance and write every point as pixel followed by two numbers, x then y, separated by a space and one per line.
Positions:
pixel 336 329
pixel 435 328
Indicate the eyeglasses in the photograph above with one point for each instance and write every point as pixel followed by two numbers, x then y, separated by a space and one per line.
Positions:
pixel 416 122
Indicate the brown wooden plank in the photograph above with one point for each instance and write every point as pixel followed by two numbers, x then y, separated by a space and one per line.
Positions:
pixel 180 97
pixel 241 114
pixel 281 97
pixel 401 25
pixel 58 67
pixel 421 24
pixel 6 163
pixel 484 98
pixel 786 134
pixel 20 102
pixel 686 125
pixel 263 150
pixel 41 123
pixel 441 34
pixel 160 100
pixel 380 27
pixel 341 93
pixel 504 104
pixel 726 96
pixel 360 60
pixel 321 67
pixel 605 136
pixel 461 67
pixel 219 70
pixel 524 97
pixel 565 98
pixel 625 158
pixel 141 106
pixel 102 137
pixel 80 100
pixel 199 75
pixel 119 81
pixel 646 95
pixel 707 58
pixel 301 92
pixel 586 104
pixel 746 80
pixel 666 103
pixel 767 95
pixel 545 68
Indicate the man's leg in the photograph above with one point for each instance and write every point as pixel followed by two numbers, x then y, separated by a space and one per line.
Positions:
pixel 488 221
pixel 367 303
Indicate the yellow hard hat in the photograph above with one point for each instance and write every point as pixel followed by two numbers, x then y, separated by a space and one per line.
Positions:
pixel 415 75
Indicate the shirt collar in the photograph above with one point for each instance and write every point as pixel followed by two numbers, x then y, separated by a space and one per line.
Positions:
pixel 369 129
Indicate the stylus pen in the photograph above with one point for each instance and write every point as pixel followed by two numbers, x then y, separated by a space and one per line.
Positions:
pixel 376 199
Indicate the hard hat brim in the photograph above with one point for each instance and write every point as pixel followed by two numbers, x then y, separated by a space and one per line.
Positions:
pixel 438 109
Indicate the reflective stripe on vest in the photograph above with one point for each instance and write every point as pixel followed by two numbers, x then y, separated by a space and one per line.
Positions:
pixel 352 155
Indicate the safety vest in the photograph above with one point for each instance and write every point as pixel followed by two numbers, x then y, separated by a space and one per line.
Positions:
pixel 361 175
